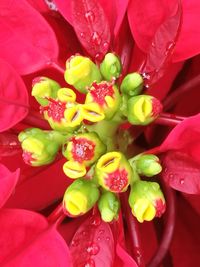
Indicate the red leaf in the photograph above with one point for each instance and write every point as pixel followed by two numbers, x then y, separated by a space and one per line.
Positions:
pixel 8 181
pixel 9 145
pixel 27 41
pixel 26 241
pixel 157 40
pixel 121 6
pixel 39 5
pixel 188 43
pixel 94 242
pixel 13 97
pixel 181 157
pixel 91 26
pixel 40 187
pixel 181 172
pixel 65 9
pixel 126 259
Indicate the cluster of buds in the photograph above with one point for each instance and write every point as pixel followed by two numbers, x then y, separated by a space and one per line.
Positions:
pixel 79 130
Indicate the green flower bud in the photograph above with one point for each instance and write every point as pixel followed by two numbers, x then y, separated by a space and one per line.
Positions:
pixel 113 172
pixel 143 109
pixel 106 96
pixel 62 116
pixel 110 67
pixel 132 84
pixel 81 72
pixel 146 200
pixel 44 88
pixel 84 148
pixel 148 165
pixel 39 147
pixel 81 150
pixel 80 197
pixel 109 206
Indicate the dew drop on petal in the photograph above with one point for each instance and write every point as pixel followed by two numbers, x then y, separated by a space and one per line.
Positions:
pixel 93 249
pixel 90 17
pixel 107 238
pixel 90 263
pixel 95 38
pixel 99 56
pixel 75 243
pixel 82 35
pixel 95 221
pixel 182 181
pixel 101 232
pixel 105 45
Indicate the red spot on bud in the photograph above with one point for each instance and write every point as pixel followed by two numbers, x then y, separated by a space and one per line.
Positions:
pixel 160 207
pixel 55 109
pixel 83 149
pixel 37 80
pixel 117 180
pixel 27 157
pixel 156 107
pixel 100 90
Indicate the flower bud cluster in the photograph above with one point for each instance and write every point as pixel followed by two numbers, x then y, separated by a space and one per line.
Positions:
pixel 100 171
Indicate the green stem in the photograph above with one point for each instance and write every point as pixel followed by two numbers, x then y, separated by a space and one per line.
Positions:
pixel 106 131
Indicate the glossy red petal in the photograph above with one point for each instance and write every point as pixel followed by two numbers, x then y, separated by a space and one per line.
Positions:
pixel 94 242
pixel 160 31
pixel 27 41
pixel 9 144
pixel 181 172
pixel 26 241
pixel 8 181
pixel 188 44
pixel 91 26
pixel 13 97
pixel 181 157
pixel 40 187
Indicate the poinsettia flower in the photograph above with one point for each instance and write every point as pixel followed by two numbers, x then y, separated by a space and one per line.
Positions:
pixel 41 188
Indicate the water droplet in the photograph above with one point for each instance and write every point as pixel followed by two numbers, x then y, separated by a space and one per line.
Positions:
pixel 93 249
pixel 171 175
pixel 105 45
pixel 96 39
pixel 107 238
pixel 95 221
pixel 84 233
pixel 137 252
pixel 75 243
pixel 90 263
pixel 51 5
pixel 90 17
pixel 82 35
pixel 98 56
pixel 98 238
pixel 170 45
pixel 182 181
pixel 153 44
pixel 101 232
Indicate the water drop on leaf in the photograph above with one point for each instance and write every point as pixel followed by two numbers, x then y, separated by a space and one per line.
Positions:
pixel 90 17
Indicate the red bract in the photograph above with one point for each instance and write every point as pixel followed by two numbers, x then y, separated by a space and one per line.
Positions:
pixel 9 145
pixel 91 26
pixel 159 40
pixel 40 187
pixel 27 240
pixel 13 97
pixel 26 45
pixel 149 15
pixel 181 158
pixel 8 181
pixel 94 242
